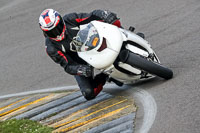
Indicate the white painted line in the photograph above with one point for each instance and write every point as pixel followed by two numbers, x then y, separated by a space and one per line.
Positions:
pixel 64 88
pixel 150 109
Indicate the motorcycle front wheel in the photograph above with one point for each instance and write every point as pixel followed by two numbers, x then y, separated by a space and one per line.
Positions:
pixel 147 65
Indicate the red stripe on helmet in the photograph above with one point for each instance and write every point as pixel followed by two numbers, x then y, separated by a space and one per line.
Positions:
pixel 47 20
pixel 44 29
pixel 58 20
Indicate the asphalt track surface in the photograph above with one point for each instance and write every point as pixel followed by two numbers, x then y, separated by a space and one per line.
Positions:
pixel 172 27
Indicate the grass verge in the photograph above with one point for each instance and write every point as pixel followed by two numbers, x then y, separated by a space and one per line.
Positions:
pixel 23 126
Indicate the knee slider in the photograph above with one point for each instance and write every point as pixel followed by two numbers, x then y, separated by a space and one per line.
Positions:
pixel 88 94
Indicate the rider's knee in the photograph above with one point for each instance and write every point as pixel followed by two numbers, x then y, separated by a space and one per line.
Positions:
pixel 88 94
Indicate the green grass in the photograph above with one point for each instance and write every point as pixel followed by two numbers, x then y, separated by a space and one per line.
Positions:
pixel 23 126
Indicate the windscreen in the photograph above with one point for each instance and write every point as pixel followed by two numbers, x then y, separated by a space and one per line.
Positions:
pixel 87 38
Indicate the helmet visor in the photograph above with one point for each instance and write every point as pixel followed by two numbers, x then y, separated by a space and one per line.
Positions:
pixel 57 31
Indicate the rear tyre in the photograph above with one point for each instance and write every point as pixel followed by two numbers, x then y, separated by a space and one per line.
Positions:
pixel 146 65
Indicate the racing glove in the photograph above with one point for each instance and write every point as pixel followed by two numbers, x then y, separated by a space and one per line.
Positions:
pixel 109 17
pixel 85 70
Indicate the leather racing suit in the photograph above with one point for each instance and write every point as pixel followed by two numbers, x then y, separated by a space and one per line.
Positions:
pixel 60 52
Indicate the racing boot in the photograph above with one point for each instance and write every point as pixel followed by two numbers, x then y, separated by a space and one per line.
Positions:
pixel 115 81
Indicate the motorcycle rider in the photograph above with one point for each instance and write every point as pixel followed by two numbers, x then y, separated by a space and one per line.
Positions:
pixel 59 32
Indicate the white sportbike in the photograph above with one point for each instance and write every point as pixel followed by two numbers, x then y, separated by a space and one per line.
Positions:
pixel 119 53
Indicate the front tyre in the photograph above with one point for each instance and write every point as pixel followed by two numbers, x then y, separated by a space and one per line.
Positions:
pixel 146 65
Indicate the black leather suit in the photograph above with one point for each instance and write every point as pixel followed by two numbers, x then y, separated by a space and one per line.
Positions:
pixel 60 52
